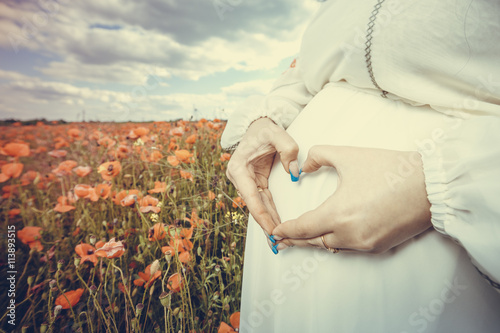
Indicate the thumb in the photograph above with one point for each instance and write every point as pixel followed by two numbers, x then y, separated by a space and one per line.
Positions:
pixel 319 156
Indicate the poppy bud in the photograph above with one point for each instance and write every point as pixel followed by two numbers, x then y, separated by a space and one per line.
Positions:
pixel 165 299
pixel 24 329
pixel 93 289
pixel 57 310
pixel 176 311
pixel 43 328
pixel 77 261
pixel 52 284
pixel 60 264
pixel 168 256
pixel 92 239
pixel 154 267
pixel 138 309
pixel 30 280
pixel 152 290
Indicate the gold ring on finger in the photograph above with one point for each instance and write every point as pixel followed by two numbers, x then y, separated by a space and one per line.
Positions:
pixel 332 250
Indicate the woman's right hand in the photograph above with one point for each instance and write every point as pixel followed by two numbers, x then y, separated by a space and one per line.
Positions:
pixel 251 163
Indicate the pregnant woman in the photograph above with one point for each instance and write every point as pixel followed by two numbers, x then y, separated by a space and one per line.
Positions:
pixel 372 174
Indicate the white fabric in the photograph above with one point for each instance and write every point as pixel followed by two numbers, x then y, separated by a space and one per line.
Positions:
pixel 439 62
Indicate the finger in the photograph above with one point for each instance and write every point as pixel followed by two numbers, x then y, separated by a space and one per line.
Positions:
pixel 267 198
pixel 288 150
pixel 253 199
pixel 318 243
pixel 311 224
pixel 319 156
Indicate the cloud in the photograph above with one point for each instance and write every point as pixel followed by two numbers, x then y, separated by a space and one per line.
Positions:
pixel 186 40
pixel 128 46
pixel 243 89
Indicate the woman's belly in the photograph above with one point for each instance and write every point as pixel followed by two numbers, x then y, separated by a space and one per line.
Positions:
pixel 361 292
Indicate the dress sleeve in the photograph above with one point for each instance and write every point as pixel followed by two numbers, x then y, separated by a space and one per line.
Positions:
pixel 462 173
pixel 282 104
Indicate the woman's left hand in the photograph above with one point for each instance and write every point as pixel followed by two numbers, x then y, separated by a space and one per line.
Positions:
pixel 380 201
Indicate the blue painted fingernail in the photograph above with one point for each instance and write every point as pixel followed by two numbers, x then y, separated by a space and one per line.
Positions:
pixel 271 238
pixel 300 171
pixel 294 179
pixel 274 248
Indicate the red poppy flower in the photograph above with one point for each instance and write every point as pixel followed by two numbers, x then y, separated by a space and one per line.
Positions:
pixel 235 323
pixel 159 187
pixel 225 157
pixel 28 177
pixel 62 205
pixel 31 236
pixel 183 155
pixel 14 212
pixel 111 249
pixel 181 245
pixel 106 142
pixel 149 204
pixel 86 252
pixel 138 132
pixel 178 131
pixel 173 161
pixel 238 202
pixel 118 197
pixel 82 171
pixel 157 232
pixel 109 170
pixel 82 190
pixel 64 168
pixel 72 296
pixel 191 139
pixel 155 156
pixel 129 200
pixel 11 170
pixel 194 220
pixel 175 283
pixel 15 149
pixel 146 278
pixel 57 153
pixel 100 191
pixel 75 134
pixel 186 175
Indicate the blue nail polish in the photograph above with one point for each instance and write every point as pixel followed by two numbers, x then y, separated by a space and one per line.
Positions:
pixel 271 238
pixel 274 248
pixel 294 179
pixel 300 171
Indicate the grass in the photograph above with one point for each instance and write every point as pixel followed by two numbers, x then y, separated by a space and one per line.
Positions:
pixel 197 218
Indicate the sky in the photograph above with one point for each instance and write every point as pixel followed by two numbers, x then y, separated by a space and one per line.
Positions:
pixel 128 60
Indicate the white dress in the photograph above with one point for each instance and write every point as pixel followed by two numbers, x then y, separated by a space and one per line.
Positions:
pixel 439 62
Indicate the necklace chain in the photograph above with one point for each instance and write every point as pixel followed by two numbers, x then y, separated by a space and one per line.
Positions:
pixel 368 43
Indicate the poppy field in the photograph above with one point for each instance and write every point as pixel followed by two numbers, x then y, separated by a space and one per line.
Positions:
pixel 119 227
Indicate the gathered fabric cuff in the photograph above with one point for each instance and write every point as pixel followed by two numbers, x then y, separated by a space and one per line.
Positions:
pixel 435 183
pixel 462 178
